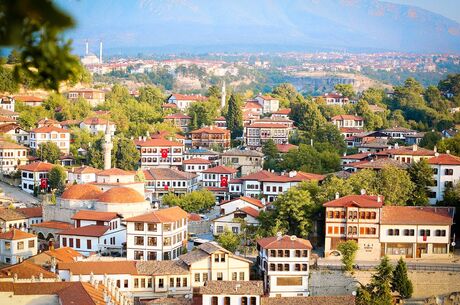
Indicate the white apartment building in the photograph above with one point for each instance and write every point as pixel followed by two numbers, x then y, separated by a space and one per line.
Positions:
pixel 346 120
pixel 12 156
pixel 284 262
pixel 159 235
pixel 218 176
pixel 160 153
pixel 184 101
pixel 335 99
pixel 35 174
pixel 408 154
pixel 446 173
pixel 407 231
pixel 7 103
pixel 16 133
pixel 16 246
pixel 57 135
pixel 161 181
pixel 196 166
pixel 94 231
pixel 269 104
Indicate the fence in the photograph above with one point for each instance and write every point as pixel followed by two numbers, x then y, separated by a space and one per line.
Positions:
pixel 410 266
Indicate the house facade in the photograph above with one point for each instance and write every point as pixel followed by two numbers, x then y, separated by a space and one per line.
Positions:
pixel 161 181
pixel 12 156
pixel 35 175
pixel 16 246
pixel 160 153
pixel 346 120
pixel 57 135
pixel 208 137
pixel 245 161
pixel 446 173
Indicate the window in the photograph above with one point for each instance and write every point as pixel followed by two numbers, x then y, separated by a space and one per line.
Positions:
pixel 289 281
pixel 139 240
pixel 214 301
pixel 138 255
pixel 139 226
pixel 227 301
pixel 136 283
pixel 220 276
pixel 152 227
pixel 166 255
pixel 244 300
pixel 31 243
pixel 151 256
pixel 253 301
pixel 7 245
pixel 448 172
pixel 272 267
pixel 149 282
pixel 425 232
pixel 88 244
pixel 220 229
pixel 241 276
pixel 77 243
pixel 431 194
pixel 161 283
pixel 205 277
pixel 273 253
pixel 20 245
pixel 171 282
pixel 440 233
pixel 152 241
pixel 167 241
pixel 197 277
pixel 234 276
pixel 167 227
pixel 184 282
pixel 178 282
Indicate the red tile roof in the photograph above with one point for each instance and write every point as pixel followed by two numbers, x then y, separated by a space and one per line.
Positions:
pixel 157 143
pixel 100 267
pixel 284 148
pixel 221 169
pixel 212 129
pixel 410 215
pixel 444 159
pixel 285 111
pixel 37 167
pixel 160 216
pixel 82 192
pixel 25 270
pixel 183 97
pixel 252 104
pixel 28 98
pixel 121 195
pixel 10 145
pixel 362 201
pixel 91 230
pixel 343 117
pixel 15 234
pixel 95 215
pixel 115 172
pixel 356 156
pixel 60 225
pixel 250 211
pixel 285 242
pixel 350 130
pixel 196 161
pixel 65 254
pixel 84 170
pixel 411 151
pixel 266 125
pixel 31 212
pixel 47 129
pixel 96 121
pixel 249 200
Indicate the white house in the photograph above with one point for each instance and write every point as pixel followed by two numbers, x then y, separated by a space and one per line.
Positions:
pixel 232 221
pixel 161 181
pixel 16 133
pixel 269 104
pixel 160 153
pixel 196 166
pixel 335 99
pixel 97 125
pixel 94 231
pixel 81 175
pixel 239 203
pixel 12 156
pixel 346 120
pixel 446 173
pixel 33 215
pixel 57 135
pixel 184 101
pixel 159 235
pixel 35 175
pixel 16 246
pixel 7 103
pixel 12 219
pixel 284 262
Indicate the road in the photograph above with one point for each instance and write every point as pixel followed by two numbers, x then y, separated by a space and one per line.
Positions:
pixel 18 195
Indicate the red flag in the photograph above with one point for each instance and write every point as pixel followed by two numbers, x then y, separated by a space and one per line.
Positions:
pixel 164 152
pixel 223 181
pixel 43 183
pixel 424 236
pixel 166 187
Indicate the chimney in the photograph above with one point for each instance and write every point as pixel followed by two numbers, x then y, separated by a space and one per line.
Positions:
pixel 414 147
pixel 379 198
pixel 337 195
pixel 435 149
pixel 448 152
pixel 363 192
pixel 100 53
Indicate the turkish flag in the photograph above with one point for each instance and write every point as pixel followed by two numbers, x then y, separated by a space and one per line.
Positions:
pixel 164 152
pixel 223 181
pixel 166 187
pixel 43 183
pixel 424 236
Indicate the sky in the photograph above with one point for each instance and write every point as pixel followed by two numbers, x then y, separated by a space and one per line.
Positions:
pixel 447 8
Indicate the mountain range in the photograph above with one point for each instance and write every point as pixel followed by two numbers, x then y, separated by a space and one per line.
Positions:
pixel 259 25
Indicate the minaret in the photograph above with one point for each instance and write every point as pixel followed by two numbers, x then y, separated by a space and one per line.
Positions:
pixel 100 53
pixel 107 146
pixel 223 97
pixel 87 48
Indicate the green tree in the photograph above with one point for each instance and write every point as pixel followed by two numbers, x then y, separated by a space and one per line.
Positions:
pixel 451 144
pixel 430 139
pixel 229 240
pixel 194 202
pixel 48 152
pixel 127 155
pixel 202 114
pixel 345 89
pixel 8 83
pixel 271 155
pixel 235 116
pixel 401 282
pixel 34 28
pixel 152 95
pixel 381 283
pixel 366 179
pixel 395 185
pixel 348 250
pixel 56 178
pixel 421 175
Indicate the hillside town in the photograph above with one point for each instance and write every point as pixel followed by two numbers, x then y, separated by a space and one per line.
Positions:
pixel 199 180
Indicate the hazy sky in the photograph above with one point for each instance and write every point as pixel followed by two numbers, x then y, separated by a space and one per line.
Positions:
pixel 447 8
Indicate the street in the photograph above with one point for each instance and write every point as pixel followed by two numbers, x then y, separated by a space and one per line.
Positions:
pixel 18 195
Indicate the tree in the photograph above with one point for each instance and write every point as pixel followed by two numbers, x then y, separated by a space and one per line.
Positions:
pixel 235 116
pixel 229 240
pixel 348 250
pixel 127 156
pixel 56 178
pixel 365 179
pixel 34 28
pixel 48 152
pixel 152 95
pixel 271 155
pixel 401 282
pixel 202 114
pixel 452 196
pixel 430 139
pixel 451 144
pixel 395 185
pixel 421 175
pixel 194 202
pixel 381 283
pixel 345 89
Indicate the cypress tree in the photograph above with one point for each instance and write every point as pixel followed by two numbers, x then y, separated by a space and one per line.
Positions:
pixel 401 282
pixel 235 116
